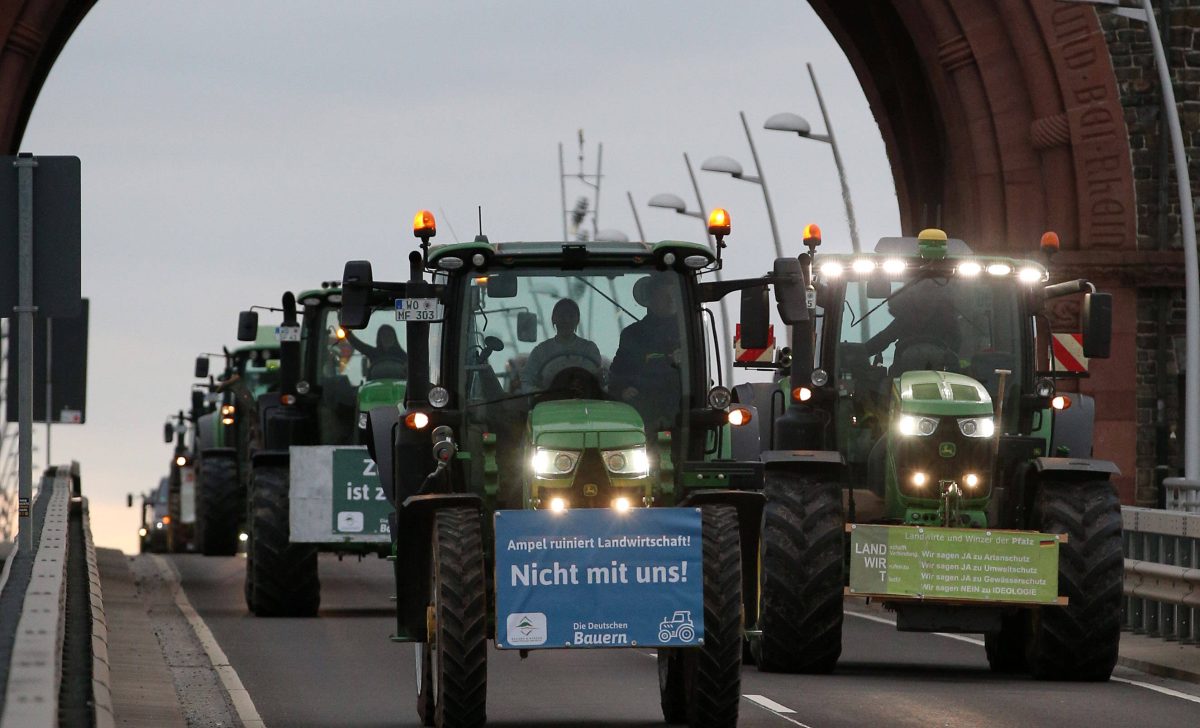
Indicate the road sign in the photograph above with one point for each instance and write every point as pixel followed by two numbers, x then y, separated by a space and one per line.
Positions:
pixel 68 364
pixel 1068 353
pixel 968 564
pixel 596 577
pixel 56 226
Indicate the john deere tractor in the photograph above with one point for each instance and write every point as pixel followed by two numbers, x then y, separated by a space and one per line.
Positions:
pixel 922 394
pixel 311 486
pixel 558 381
pixel 226 426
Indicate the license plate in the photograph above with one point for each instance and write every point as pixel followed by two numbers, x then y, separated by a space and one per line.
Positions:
pixel 288 333
pixel 419 309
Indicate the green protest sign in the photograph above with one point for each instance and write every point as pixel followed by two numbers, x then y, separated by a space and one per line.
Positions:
pixel 359 504
pixel 954 563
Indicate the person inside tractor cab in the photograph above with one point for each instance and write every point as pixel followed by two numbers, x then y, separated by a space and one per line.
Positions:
pixel 562 352
pixel 387 359
pixel 923 328
pixel 645 370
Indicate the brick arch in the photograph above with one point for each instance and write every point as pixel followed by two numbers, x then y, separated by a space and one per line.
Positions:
pixel 1003 116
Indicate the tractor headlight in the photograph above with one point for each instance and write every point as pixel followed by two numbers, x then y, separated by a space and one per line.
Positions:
pixel 552 464
pixel 917 425
pixel 630 463
pixel 227 410
pixel 977 426
pixel 142 532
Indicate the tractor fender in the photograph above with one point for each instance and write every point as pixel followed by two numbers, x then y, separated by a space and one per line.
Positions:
pixel 381 425
pixel 206 432
pixel 267 458
pixel 824 464
pixel 413 537
pixel 746 442
pixel 1088 468
pixel 1073 426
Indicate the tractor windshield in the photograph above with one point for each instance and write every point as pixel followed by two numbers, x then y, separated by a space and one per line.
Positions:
pixel 964 325
pixel 600 333
pixel 376 352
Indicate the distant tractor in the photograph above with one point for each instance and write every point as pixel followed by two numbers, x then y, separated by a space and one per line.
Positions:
pixel 311 485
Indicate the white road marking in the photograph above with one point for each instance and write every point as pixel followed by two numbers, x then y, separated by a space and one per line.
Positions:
pixel 765 704
pixel 769 704
pixel 238 695
pixel 972 640
pixel 1158 689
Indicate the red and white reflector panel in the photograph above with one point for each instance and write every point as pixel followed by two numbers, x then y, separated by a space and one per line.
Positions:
pixel 765 355
pixel 1068 353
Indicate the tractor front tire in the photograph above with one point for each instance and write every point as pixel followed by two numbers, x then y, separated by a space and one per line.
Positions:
pixel 801 576
pixel 457 645
pixel 1080 641
pixel 702 685
pixel 218 505
pixel 281 576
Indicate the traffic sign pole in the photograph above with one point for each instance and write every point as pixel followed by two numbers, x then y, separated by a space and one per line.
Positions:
pixel 25 311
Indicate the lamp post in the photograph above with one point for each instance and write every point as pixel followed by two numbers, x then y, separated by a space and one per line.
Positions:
pixel 1187 219
pixel 669 201
pixel 797 125
pixel 731 167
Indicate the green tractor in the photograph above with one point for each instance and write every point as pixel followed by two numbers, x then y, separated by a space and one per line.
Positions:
pixel 924 379
pixel 613 417
pixel 226 426
pixel 174 503
pixel 311 486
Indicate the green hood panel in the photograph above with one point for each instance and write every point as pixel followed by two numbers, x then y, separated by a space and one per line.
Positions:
pixel 380 392
pixel 577 424
pixel 942 393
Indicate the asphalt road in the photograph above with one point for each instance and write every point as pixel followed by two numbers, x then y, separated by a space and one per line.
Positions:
pixel 341 670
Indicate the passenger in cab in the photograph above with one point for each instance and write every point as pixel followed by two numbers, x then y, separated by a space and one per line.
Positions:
pixel 645 370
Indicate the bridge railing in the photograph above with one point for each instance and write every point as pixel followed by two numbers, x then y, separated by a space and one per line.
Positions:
pixel 1182 495
pixel 53 642
pixel 1162 574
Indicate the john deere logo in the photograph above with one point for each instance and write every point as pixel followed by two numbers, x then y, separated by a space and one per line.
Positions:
pixel 946 449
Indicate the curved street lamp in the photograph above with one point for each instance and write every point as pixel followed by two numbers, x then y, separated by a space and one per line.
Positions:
pixel 731 167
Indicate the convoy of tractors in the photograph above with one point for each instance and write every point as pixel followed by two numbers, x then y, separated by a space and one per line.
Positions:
pixel 912 446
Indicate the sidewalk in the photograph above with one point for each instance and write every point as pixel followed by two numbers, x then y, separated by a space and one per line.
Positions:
pixel 1160 657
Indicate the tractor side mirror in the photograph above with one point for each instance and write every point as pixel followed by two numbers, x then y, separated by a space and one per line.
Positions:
pixel 247 325
pixel 129 500
pixel 201 367
pixel 502 285
pixel 527 326
pixel 789 291
pixel 198 404
pixel 1096 320
pixel 755 318
pixel 356 293
pixel 168 432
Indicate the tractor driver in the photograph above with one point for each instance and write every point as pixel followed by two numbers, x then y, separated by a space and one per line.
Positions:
pixel 562 351
pixel 924 328
pixel 645 371
pixel 387 359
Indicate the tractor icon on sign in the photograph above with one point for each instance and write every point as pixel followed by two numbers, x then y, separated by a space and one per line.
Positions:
pixel 678 626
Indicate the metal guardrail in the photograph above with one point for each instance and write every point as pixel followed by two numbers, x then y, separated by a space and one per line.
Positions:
pixel 1162 574
pixel 1182 495
pixel 57 672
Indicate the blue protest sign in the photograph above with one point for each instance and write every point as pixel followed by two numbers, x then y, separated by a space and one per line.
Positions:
pixel 596 577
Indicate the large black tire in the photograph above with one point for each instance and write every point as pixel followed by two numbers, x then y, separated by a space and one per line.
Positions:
pixel 1006 649
pixel 458 644
pixel 281 576
pixel 1080 641
pixel 801 576
pixel 219 505
pixel 706 681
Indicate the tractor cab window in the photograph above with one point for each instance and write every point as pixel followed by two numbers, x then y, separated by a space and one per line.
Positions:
pixel 601 333
pixel 968 326
pixel 351 357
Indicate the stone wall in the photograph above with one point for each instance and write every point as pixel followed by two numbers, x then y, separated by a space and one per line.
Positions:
pixel 1160 305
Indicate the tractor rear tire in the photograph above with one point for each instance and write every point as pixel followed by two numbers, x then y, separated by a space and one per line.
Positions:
pixel 218 506
pixel 458 645
pixel 709 677
pixel 1080 641
pixel 1006 649
pixel 801 576
pixel 281 576
pixel 671 694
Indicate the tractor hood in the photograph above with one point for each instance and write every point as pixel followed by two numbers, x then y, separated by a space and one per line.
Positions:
pixel 942 393
pixel 379 392
pixel 578 424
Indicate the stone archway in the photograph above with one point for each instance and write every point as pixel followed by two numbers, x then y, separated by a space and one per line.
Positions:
pixel 1001 120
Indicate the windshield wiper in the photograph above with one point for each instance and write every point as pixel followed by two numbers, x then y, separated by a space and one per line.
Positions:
pixel 608 298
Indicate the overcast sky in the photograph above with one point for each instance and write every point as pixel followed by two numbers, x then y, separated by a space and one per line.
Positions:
pixel 232 150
